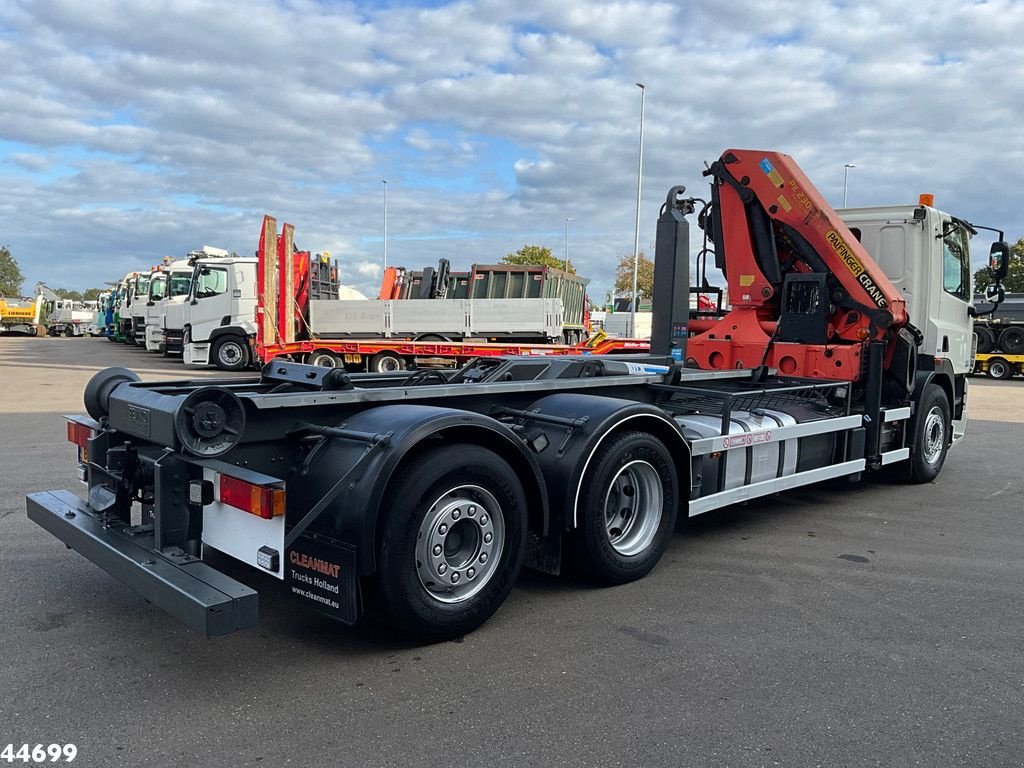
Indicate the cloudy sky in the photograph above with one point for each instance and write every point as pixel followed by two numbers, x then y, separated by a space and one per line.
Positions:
pixel 131 130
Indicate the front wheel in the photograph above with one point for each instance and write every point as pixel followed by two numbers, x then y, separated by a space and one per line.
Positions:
pixel 453 542
pixel 230 353
pixel 932 435
pixel 628 504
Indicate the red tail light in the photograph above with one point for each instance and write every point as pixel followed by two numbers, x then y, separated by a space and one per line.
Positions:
pixel 79 434
pixel 259 500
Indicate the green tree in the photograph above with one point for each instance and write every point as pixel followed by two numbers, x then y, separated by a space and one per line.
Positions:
pixel 67 293
pixel 644 276
pixel 10 274
pixel 535 254
pixel 1014 282
pixel 92 294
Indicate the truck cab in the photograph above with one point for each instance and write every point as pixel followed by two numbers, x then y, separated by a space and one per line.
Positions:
pixel 220 313
pixel 154 302
pixel 926 255
pixel 122 310
pixel 173 282
pixel 140 296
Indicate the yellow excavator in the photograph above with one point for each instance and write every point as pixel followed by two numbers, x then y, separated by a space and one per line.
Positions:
pixel 21 315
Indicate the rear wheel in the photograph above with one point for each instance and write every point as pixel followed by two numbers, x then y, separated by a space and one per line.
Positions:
pixel 628 504
pixel 453 541
pixel 323 358
pixel 932 435
pixel 230 353
pixel 386 362
pixel 999 368
pixel 1011 340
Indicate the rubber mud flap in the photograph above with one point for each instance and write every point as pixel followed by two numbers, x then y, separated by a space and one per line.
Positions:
pixel 320 573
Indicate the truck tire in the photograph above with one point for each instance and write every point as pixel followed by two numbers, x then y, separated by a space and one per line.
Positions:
pixel 323 358
pixel 230 353
pixel 457 513
pixel 932 435
pixel 986 339
pixel 1011 340
pixel 999 368
pixel 386 362
pixel 628 506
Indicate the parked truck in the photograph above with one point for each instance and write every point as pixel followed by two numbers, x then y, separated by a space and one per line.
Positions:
pixel 125 296
pixel 1001 338
pixel 1002 331
pixel 167 294
pixel 421 495
pixel 286 303
pixel 104 314
pixel 68 317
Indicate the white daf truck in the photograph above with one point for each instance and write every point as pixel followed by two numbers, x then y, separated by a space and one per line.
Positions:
pixel 421 495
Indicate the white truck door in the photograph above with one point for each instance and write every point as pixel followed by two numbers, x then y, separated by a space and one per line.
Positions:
pixel 951 318
pixel 212 302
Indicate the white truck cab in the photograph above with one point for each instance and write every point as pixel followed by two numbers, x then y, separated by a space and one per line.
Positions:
pixel 67 317
pixel 167 289
pixel 220 313
pixel 926 255
pixel 125 292
pixel 139 298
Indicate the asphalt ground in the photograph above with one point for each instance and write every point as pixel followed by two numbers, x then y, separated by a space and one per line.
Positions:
pixel 839 625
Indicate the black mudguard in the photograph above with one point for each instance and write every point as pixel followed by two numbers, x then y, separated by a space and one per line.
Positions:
pixel 569 448
pixel 353 516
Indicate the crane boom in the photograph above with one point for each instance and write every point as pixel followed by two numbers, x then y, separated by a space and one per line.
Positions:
pixel 806 296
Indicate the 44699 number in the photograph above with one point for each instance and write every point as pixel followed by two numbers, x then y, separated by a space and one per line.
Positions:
pixel 40 753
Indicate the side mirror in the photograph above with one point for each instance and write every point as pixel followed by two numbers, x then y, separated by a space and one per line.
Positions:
pixel 994 293
pixel 999 260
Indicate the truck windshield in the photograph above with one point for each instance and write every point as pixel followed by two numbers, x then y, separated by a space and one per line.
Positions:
pixel 141 285
pixel 179 283
pixel 956 263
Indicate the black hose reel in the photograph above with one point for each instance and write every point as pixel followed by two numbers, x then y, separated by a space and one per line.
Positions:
pixel 98 390
pixel 210 421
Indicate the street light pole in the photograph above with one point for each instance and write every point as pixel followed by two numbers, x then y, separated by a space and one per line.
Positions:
pixel 385 183
pixel 567 243
pixel 846 179
pixel 636 229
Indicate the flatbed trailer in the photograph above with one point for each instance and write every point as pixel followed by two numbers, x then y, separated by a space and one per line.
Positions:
pixel 999 365
pixel 393 355
pixel 283 327
pixel 421 495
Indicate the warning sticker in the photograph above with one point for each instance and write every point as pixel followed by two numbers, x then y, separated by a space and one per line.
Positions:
pixel 785 204
pixel 773 175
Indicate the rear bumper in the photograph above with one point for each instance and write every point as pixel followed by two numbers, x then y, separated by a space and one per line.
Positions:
pixel 184 586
